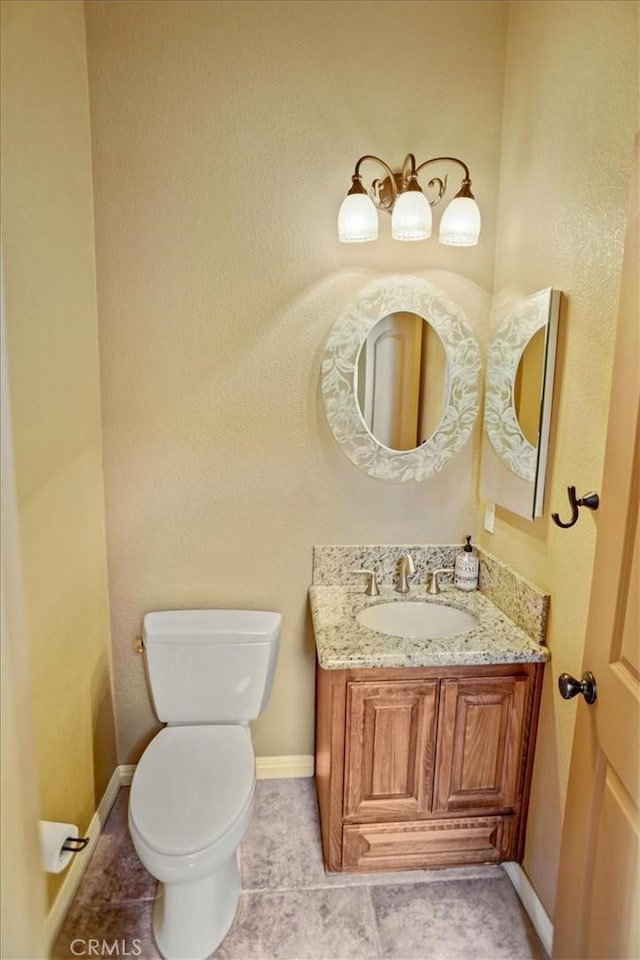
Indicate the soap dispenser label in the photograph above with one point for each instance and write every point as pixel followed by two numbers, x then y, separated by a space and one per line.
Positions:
pixel 466 571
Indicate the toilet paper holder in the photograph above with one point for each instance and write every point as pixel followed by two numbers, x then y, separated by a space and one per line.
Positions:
pixel 75 844
pixel 59 842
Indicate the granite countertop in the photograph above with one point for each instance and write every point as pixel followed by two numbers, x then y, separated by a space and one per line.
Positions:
pixel 342 643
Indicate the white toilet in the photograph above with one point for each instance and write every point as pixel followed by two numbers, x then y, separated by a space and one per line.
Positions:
pixel 210 672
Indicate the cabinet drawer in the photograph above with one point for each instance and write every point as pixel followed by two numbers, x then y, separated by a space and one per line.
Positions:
pixel 398 846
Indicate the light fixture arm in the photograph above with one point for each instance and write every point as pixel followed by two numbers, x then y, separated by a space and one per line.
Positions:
pixel 385 202
pixel 369 156
pixel 442 160
pixel 465 186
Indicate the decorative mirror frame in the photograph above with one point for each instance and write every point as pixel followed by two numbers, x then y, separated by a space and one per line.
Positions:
pixel 524 493
pixel 378 300
pixel 505 352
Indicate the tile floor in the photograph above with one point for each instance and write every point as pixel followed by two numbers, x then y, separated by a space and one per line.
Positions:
pixel 291 910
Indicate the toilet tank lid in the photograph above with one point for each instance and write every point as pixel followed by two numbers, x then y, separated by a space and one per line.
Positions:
pixel 212 626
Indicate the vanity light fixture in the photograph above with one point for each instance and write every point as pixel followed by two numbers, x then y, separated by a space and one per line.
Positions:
pixel 400 195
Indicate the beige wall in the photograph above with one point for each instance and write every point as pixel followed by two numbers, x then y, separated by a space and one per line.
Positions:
pixel 570 114
pixel 22 905
pixel 224 138
pixel 48 248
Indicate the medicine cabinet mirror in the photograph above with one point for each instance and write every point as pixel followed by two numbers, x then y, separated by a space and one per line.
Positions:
pixel 400 379
pixel 518 400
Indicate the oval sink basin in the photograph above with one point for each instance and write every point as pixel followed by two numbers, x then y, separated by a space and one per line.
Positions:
pixel 418 620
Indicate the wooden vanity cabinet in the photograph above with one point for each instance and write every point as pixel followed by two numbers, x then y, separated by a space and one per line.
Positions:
pixel 424 767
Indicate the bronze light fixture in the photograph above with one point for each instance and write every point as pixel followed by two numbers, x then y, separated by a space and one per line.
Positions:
pixel 400 194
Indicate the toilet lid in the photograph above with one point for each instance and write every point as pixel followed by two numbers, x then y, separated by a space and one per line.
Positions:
pixel 191 785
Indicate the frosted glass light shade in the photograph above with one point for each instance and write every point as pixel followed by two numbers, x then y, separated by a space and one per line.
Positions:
pixel 460 224
pixel 411 218
pixel 358 219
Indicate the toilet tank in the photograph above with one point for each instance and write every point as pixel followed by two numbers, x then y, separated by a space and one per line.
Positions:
pixel 210 666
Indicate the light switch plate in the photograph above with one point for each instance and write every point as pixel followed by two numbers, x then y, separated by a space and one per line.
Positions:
pixel 490 517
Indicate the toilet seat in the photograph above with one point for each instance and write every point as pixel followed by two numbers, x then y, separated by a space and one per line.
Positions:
pixel 192 787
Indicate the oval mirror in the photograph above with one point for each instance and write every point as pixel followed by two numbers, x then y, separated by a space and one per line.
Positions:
pixel 447 403
pixel 401 380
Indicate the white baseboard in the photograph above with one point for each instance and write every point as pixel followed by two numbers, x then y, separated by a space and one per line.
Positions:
pixel 531 903
pixel 127 771
pixel 276 768
pixel 80 861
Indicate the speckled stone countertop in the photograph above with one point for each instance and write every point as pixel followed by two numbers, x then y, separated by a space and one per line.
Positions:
pixel 342 643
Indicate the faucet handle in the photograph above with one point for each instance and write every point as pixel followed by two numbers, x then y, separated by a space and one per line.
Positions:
pixel 372 589
pixel 433 586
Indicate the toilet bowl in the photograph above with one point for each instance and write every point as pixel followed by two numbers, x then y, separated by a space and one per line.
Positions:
pixel 193 789
pixel 189 810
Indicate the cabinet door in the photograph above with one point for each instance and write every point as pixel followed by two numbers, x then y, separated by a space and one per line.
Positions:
pixel 390 748
pixel 480 743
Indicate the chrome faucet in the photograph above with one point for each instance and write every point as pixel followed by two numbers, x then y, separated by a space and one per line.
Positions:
pixel 406 566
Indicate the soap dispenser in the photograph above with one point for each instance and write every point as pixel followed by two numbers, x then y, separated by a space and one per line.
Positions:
pixel 467 568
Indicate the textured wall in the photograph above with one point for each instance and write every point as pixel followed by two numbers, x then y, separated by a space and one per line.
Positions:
pixel 224 138
pixel 23 905
pixel 50 298
pixel 570 114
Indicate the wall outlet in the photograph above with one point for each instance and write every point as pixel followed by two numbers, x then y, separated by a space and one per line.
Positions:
pixel 490 517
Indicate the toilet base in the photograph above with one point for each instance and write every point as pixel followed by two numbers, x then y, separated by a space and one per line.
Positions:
pixel 190 920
